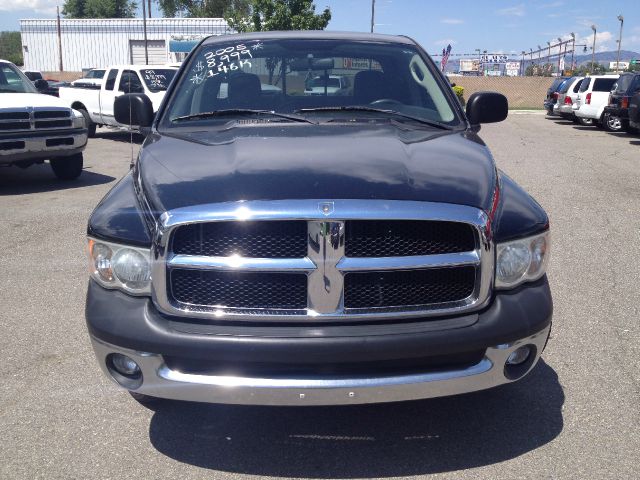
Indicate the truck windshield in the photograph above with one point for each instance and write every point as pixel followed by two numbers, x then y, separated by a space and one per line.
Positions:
pixel 310 77
pixel 158 79
pixel 13 80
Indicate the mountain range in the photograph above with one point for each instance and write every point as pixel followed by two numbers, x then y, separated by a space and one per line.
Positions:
pixel 606 57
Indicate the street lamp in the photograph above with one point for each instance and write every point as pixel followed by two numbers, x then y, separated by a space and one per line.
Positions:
pixel 593 53
pixel 559 56
pixel 522 66
pixel 539 51
pixel 621 19
pixel 573 47
pixel 549 52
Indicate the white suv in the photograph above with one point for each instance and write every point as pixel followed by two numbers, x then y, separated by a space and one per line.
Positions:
pixel 593 97
pixel 567 96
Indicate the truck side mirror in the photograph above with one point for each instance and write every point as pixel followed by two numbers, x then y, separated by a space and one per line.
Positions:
pixel 41 84
pixel 487 107
pixel 133 109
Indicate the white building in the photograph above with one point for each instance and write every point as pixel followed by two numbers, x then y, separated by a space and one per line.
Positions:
pixel 88 43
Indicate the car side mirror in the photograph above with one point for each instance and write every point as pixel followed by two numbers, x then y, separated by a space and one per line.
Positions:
pixel 41 84
pixel 133 109
pixel 487 107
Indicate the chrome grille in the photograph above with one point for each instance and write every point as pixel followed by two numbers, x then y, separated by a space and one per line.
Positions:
pixel 247 261
pixel 408 287
pixel 403 238
pixel 35 118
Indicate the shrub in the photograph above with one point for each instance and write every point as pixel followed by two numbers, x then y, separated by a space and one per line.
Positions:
pixel 459 91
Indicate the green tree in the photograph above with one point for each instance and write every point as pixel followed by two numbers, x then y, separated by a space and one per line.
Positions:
pixel 204 8
pixel 593 68
pixel 99 8
pixel 11 47
pixel 267 15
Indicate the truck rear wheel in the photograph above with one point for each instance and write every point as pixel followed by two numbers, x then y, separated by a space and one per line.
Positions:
pixel 612 123
pixel 91 127
pixel 67 168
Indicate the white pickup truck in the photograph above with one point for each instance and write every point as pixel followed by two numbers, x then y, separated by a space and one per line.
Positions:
pixel 97 104
pixel 35 127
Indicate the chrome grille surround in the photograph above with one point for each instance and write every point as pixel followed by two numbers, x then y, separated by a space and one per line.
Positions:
pixel 325 264
pixel 31 119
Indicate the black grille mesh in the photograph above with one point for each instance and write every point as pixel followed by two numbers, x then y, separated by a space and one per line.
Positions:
pixel 52 123
pixel 240 290
pixel 52 114
pixel 270 239
pixel 397 238
pixel 407 288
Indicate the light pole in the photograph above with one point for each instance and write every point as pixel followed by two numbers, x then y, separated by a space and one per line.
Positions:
pixel 559 55
pixel 573 47
pixel 549 52
pixel 522 67
pixel 621 18
pixel 539 52
pixel 593 53
pixel 373 13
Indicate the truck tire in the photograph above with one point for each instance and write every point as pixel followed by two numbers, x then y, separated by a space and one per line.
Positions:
pixel 67 168
pixel 91 127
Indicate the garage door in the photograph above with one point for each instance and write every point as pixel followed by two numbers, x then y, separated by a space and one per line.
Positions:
pixel 156 49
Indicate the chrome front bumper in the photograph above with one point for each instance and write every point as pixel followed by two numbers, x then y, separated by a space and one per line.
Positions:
pixel 160 381
pixel 44 146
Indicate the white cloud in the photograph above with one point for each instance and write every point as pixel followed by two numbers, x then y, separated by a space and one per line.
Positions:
pixel 516 10
pixel 550 5
pixel 444 42
pixel 452 21
pixel 37 6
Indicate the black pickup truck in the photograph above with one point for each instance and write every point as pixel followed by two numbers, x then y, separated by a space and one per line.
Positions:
pixel 291 249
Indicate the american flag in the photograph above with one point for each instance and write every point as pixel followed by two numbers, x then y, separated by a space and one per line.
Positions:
pixel 445 57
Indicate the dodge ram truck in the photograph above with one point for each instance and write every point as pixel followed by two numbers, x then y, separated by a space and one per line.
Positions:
pixel 292 249
pixel 95 102
pixel 35 127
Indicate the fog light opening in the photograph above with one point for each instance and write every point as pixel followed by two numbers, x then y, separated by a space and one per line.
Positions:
pixel 519 362
pixel 519 356
pixel 124 370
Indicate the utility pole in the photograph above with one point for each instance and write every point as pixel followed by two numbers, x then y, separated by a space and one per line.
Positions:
pixel 59 39
pixel 539 53
pixel 621 18
pixel 144 26
pixel 559 54
pixel 149 8
pixel 549 52
pixel 522 66
pixel 373 14
pixel 593 49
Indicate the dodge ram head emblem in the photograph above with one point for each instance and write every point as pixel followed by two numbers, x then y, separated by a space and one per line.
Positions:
pixel 326 208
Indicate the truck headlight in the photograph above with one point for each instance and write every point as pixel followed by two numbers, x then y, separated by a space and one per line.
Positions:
pixel 78 119
pixel 122 267
pixel 522 260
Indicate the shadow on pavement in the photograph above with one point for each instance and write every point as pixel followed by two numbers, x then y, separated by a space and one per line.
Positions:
pixel 119 136
pixel 386 440
pixel 40 178
pixel 635 142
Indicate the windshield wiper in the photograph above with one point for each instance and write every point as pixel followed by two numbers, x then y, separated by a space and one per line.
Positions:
pixel 362 108
pixel 242 111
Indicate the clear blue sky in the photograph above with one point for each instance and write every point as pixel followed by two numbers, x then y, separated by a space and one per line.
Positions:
pixel 499 26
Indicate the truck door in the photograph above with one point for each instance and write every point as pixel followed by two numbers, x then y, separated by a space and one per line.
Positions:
pixel 107 96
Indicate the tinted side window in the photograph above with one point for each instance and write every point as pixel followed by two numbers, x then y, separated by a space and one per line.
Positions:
pixel 577 86
pixel 111 79
pixel 623 83
pixel 603 84
pixel 584 86
pixel 130 82
pixel 635 86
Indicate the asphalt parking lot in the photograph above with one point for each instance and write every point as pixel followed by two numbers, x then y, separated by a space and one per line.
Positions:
pixel 576 416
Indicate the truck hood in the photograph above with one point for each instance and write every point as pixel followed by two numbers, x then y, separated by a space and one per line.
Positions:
pixel 301 161
pixel 22 100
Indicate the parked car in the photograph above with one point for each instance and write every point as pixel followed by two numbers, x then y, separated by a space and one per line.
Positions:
pixel 617 111
pixel 92 79
pixel 328 85
pixel 592 98
pixel 552 94
pixel 35 127
pixel 303 250
pixel 97 104
pixel 567 95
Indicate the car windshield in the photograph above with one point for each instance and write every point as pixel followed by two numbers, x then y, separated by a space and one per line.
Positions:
pixel 329 80
pixel 158 79
pixel 12 80
pixel 95 74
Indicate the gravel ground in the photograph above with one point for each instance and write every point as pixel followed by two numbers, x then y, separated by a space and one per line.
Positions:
pixel 576 416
